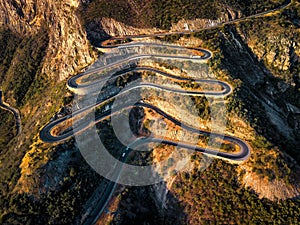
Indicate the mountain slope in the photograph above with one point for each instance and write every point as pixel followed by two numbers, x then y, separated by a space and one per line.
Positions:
pixel 45 42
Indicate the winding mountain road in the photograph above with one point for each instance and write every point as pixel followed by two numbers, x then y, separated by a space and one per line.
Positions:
pixel 14 111
pixel 47 134
pixel 81 87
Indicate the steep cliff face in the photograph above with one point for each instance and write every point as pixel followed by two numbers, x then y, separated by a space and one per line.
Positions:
pixel 68 49
pixel 42 43
pixel 24 17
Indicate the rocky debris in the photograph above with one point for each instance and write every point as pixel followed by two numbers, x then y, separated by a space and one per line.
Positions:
pixel 196 24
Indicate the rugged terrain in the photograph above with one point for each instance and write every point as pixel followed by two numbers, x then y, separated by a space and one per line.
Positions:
pixel 45 42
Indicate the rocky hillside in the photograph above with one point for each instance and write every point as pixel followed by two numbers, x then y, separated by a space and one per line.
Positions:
pixel 103 18
pixel 42 43
pixel 58 20
pixel 260 58
pixel 45 42
pixel 164 13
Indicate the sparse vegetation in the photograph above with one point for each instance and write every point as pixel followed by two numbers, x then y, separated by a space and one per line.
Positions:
pixel 7 123
pixel 216 195
pixel 211 196
pixel 163 13
pixel 27 60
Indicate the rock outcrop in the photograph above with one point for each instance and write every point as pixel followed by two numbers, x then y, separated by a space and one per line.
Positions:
pixel 68 49
pixel 107 27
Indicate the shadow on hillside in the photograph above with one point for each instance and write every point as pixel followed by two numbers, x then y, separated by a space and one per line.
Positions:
pixel 96 34
pixel 143 205
pixel 152 204
pixel 265 98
